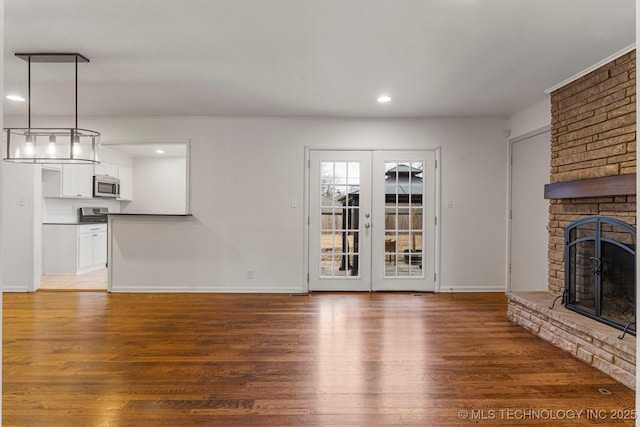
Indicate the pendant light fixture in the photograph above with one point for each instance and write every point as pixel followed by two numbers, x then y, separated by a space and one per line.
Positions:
pixel 51 145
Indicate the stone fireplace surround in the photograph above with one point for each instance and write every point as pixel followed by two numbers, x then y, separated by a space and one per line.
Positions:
pixel 588 340
pixel 593 146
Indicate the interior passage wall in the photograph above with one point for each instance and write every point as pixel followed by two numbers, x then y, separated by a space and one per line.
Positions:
pixel 593 134
pixel 244 173
pixel 159 186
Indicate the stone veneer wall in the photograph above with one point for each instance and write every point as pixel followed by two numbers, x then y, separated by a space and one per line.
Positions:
pixel 593 134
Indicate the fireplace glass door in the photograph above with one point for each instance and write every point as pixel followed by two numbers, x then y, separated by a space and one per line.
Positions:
pixel 600 272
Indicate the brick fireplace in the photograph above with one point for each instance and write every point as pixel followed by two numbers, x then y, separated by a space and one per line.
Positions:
pixel 593 166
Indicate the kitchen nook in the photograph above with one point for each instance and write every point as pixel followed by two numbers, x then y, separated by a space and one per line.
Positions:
pixel 133 179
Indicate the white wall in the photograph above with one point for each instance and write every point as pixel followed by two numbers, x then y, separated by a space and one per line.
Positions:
pixel 245 171
pixel 21 227
pixel 1 185
pixel 159 186
pixel 531 118
pixel 107 155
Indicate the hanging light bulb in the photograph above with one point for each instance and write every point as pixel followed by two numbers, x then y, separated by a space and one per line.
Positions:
pixel 51 150
pixel 76 143
pixel 29 148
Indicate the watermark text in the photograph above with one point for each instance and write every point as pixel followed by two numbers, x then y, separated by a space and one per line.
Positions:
pixel 510 414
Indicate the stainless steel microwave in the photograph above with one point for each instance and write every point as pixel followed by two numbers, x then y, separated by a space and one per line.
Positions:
pixel 106 186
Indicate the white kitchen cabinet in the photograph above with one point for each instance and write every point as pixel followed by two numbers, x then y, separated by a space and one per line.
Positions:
pixel 73 249
pixel 92 247
pixel 77 181
pixel 100 249
pixel 126 183
pixel 106 169
pixel 73 181
pixel 86 247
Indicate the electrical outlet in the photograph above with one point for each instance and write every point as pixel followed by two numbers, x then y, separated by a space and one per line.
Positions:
pixel 449 204
pixel 249 274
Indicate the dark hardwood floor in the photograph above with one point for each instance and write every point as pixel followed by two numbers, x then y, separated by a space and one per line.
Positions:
pixel 98 359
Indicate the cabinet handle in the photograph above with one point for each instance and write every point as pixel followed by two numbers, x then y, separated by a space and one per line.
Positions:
pixel 95 235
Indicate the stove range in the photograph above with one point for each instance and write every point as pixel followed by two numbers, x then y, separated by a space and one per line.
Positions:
pixel 92 215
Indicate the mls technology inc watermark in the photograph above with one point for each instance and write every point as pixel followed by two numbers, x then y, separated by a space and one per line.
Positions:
pixel 547 414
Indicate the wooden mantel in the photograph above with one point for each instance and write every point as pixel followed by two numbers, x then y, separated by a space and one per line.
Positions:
pixel 616 185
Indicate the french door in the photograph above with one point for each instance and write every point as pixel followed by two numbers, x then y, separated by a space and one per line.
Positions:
pixel 371 220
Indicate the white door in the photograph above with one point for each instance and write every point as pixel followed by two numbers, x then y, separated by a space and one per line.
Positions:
pixel 404 229
pixel 529 213
pixel 372 220
pixel 339 211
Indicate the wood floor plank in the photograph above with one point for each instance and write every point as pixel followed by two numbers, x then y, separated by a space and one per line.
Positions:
pixel 76 358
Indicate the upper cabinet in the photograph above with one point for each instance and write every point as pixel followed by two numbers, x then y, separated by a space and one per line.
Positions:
pixel 106 169
pixel 76 181
pixel 70 181
pixel 126 183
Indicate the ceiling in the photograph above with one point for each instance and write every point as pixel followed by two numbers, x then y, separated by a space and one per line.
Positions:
pixel 306 58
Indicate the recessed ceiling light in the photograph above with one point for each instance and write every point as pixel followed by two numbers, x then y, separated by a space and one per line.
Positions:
pixel 15 98
pixel 160 151
pixel 384 98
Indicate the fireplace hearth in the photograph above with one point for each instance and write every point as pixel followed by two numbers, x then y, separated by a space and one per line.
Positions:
pixel 600 273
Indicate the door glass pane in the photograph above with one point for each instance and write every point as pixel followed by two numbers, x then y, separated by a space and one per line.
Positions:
pixel 340 176
pixel 340 213
pixel 404 219
pixel 327 221
pixel 352 215
pixel 353 173
pixel 326 243
pixel 326 265
pixel 416 218
pixel 416 241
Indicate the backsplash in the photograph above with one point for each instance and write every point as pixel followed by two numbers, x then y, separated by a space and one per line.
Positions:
pixel 66 210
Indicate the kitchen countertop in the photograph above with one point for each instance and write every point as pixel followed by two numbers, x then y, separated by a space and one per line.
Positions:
pixel 73 223
pixel 146 214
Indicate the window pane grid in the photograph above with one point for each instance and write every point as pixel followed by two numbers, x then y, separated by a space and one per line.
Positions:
pixel 403 219
pixel 339 206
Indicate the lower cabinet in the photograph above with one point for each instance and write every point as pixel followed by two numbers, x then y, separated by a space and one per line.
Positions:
pixel 73 249
pixel 92 247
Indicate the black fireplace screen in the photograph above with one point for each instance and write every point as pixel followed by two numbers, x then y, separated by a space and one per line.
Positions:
pixel 600 270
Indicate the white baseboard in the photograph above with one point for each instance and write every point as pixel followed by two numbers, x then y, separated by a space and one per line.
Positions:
pixel 14 288
pixel 445 289
pixel 207 289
